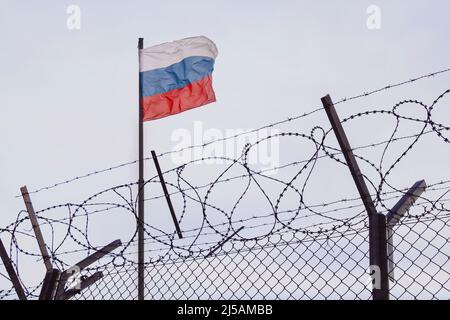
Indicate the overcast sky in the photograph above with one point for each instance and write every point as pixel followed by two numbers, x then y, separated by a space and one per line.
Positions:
pixel 69 97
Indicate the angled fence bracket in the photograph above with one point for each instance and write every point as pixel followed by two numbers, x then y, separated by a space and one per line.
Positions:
pixel 53 286
pixel 223 242
pixel 166 193
pixel 394 216
pixel 36 228
pixel 11 272
pixel 85 283
pixel 62 294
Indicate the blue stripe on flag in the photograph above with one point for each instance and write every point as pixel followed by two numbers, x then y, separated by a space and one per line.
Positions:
pixel 176 76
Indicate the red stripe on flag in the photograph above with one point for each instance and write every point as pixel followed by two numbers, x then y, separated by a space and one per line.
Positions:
pixel 194 95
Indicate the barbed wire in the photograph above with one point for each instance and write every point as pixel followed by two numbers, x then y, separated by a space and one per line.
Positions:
pixel 270 125
pixel 215 218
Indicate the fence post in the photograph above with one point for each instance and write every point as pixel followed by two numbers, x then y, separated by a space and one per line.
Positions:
pixel 49 285
pixel 377 235
pixel 381 257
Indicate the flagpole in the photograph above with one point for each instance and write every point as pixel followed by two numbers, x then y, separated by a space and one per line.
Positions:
pixel 140 221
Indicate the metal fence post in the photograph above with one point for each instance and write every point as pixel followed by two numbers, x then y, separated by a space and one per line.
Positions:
pixel 378 248
pixel 377 237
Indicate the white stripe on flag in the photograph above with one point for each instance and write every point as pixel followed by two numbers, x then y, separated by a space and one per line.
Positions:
pixel 166 54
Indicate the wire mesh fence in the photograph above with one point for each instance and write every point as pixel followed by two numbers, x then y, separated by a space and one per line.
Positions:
pixel 292 265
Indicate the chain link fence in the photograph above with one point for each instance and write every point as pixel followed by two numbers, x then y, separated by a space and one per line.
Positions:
pixel 331 264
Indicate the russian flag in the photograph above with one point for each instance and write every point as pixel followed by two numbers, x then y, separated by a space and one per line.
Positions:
pixel 176 76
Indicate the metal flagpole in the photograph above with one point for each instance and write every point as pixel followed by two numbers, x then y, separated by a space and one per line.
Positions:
pixel 140 221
